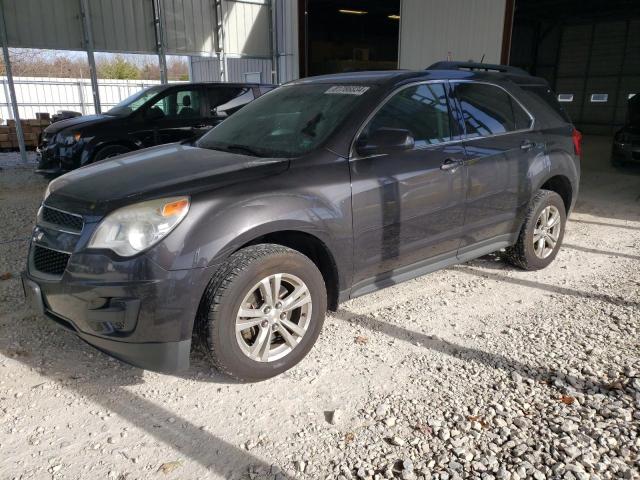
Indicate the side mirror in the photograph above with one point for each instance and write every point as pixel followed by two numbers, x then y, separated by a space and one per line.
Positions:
pixel 385 140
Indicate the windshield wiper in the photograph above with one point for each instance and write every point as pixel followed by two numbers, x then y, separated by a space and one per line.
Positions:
pixel 241 148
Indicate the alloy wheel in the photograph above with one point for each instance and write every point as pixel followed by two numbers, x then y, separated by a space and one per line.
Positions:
pixel 273 317
pixel 546 232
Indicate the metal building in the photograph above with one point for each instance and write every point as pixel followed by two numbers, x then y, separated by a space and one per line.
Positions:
pixel 589 50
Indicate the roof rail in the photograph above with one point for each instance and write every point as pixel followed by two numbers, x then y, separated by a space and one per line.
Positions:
pixel 487 67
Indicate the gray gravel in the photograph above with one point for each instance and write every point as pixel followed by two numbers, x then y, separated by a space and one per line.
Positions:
pixel 478 371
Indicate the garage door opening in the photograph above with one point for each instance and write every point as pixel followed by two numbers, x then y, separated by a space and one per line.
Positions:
pixel 589 51
pixel 348 35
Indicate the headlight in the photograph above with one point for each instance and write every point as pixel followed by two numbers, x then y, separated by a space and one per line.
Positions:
pixel 70 138
pixel 130 230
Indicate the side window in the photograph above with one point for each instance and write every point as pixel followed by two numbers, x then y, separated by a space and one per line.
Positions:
pixel 180 104
pixel 421 109
pixel 223 101
pixel 523 120
pixel 489 110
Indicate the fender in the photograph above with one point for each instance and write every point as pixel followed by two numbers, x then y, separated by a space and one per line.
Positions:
pixel 92 147
pixel 545 166
pixel 223 220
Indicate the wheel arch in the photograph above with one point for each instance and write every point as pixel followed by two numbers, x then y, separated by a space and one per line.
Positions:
pixel 95 149
pixel 312 247
pixel 561 185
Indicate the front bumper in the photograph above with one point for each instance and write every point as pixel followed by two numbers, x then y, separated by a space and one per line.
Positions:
pixel 54 159
pixel 145 321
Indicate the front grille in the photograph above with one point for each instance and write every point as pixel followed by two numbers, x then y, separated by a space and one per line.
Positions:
pixel 62 219
pixel 49 261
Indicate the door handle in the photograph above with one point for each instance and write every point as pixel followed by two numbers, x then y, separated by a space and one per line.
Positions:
pixel 450 164
pixel 527 145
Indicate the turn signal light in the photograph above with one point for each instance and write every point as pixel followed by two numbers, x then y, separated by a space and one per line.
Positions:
pixel 175 208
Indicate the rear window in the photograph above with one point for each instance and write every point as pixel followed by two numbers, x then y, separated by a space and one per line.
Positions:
pixel 489 110
pixel 548 98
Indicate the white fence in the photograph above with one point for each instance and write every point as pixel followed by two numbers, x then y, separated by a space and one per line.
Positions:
pixel 44 94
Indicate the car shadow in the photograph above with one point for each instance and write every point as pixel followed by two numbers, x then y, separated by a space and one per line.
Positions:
pixel 492 360
pixel 615 300
pixel 107 387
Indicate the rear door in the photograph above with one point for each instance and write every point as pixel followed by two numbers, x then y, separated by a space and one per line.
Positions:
pixel 499 145
pixel 408 206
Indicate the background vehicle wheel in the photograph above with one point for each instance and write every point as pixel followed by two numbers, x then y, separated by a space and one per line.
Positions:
pixel 541 234
pixel 262 311
pixel 110 151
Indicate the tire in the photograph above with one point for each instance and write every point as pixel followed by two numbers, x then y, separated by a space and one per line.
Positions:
pixel 110 151
pixel 524 254
pixel 231 287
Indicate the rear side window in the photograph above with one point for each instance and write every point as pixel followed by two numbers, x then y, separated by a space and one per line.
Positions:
pixel 223 101
pixel 547 96
pixel 422 110
pixel 489 110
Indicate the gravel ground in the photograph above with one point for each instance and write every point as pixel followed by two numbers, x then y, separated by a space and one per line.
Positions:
pixel 477 371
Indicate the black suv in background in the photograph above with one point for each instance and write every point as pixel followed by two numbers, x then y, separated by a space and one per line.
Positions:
pixel 152 116
pixel 320 191
pixel 626 141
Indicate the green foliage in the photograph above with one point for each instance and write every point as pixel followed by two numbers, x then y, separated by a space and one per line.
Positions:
pixel 118 68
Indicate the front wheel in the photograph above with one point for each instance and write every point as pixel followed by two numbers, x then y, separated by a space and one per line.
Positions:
pixel 541 234
pixel 110 151
pixel 262 312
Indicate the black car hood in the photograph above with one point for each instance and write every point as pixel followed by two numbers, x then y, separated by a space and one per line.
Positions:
pixel 77 122
pixel 153 172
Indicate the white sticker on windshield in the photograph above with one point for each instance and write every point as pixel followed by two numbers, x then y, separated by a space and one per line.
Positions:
pixel 347 90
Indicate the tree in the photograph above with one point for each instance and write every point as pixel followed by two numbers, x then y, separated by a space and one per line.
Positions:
pixel 118 68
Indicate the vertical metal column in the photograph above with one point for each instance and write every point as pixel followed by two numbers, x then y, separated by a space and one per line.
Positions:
pixel 275 54
pixel 88 46
pixel 222 57
pixel 12 91
pixel 159 31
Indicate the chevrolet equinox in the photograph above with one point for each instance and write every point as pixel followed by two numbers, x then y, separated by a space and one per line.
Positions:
pixel 319 191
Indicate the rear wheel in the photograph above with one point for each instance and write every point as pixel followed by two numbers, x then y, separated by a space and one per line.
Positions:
pixel 541 234
pixel 110 151
pixel 262 311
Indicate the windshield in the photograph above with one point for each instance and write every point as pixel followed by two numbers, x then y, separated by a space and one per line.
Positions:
pixel 286 122
pixel 135 101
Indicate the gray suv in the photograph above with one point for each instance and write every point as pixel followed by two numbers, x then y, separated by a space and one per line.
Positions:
pixel 317 192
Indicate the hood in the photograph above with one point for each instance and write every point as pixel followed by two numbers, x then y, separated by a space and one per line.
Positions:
pixel 77 122
pixel 153 172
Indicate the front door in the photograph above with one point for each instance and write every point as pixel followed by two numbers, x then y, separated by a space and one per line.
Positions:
pixel 408 207
pixel 177 115
pixel 499 147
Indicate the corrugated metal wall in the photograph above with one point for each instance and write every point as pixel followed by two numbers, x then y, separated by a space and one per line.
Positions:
pixel 247 27
pixel 133 32
pixel 208 69
pixel 430 30
pixel 189 26
pixel 117 25
pixel 47 27
pixel 286 13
